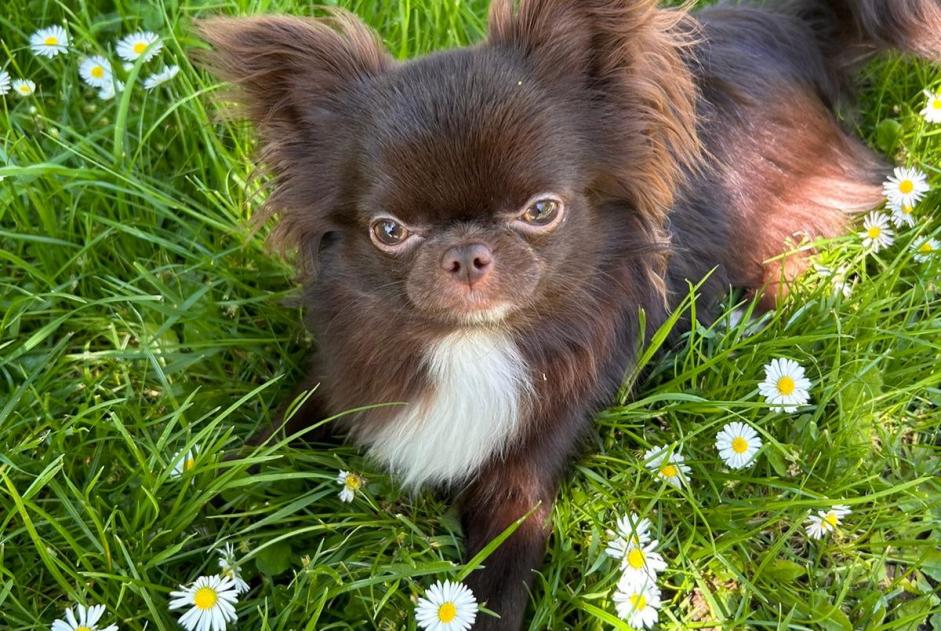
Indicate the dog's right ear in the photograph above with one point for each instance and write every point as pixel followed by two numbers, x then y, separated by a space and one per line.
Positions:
pixel 295 78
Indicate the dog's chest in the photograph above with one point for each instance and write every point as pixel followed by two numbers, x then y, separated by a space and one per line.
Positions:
pixel 479 387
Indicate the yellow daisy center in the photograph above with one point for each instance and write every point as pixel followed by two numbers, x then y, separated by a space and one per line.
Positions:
pixel 669 471
pixel 739 445
pixel 786 385
pixel 188 464
pixel 353 482
pixel 926 248
pixel 52 40
pixel 638 601
pixel 907 210
pixel 83 629
pixel 906 187
pixel 24 89
pixel 873 233
pixel 139 47
pixel 636 559
pixel 447 612
pixel 205 598
pixel 98 72
pixel 831 519
pixel 936 104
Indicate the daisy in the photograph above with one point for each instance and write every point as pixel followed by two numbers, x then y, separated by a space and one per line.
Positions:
pixel 95 71
pixel 826 521
pixel 906 187
pixel 212 600
pixel 642 562
pixel 637 603
pixel 163 76
pixel 86 619
pixel 785 387
pixel 49 42
pixel 632 531
pixel 446 606
pixel 4 82
pixel 925 249
pixel 932 111
pixel 184 463
pixel 109 91
pixel 351 484
pixel 24 87
pixel 141 44
pixel 839 281
pixel 737 444
pixel 229 568
pixel 902 215
pixel 877 234
pixel 669 466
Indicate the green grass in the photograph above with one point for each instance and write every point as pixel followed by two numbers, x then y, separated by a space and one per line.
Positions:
pixel 140 315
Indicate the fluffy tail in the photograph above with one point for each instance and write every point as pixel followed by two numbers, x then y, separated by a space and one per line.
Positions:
pixel 851 30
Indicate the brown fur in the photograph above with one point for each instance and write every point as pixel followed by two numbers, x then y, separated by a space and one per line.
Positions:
pixel 684 146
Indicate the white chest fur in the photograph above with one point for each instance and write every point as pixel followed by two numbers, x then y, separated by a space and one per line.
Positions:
pixel 480 384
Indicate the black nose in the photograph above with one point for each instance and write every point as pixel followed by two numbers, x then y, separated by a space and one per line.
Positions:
pixel 468 263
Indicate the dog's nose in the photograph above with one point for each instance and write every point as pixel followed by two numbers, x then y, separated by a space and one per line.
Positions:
pixel 468 263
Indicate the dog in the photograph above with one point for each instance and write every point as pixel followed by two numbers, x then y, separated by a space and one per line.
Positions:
pixel 488 234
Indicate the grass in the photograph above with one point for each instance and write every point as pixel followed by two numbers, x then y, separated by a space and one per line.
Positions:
pixel 140 316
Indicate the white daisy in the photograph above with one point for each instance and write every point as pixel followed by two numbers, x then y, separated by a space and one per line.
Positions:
pixel 212 600
pixel 668 465
pixel 141 44
pixel 642 562
pixel 95 71
pixel 877 234
pixel 932 111
pixel 49 42
pixel 925 249
pixel 902 215
pixel 637 603
pixel 184 463
pixel 4 82
pixel 351 484
pixel 446 606
pixel 24 87
pixel 109 91
pixel 229 568
pixel 839 279
pixel 785 387
pixel 632 531
pixel 906 187
pixel 737 444
pixel 826 521
pixel 86 619
pixel 163 76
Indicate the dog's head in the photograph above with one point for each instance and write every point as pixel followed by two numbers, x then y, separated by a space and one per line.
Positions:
pixel 473 185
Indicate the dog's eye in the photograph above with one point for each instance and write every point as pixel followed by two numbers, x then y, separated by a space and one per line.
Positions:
pixel 542 212
pixel 389 232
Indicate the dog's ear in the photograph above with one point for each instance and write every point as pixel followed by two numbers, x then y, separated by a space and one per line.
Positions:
pixel 294 78
pixel 627 57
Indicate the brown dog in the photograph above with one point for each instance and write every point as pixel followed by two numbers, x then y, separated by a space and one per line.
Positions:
pixel 480 229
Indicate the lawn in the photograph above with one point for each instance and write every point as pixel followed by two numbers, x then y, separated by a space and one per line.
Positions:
pixel 141 317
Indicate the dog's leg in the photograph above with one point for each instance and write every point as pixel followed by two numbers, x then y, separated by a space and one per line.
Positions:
pixel 309 412
pixel 501 495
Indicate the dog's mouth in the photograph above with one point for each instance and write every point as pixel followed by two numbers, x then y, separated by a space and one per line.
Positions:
pixel 490 313
pixel 473 310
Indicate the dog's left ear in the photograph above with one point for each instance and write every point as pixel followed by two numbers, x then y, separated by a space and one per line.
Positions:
pixel 628 55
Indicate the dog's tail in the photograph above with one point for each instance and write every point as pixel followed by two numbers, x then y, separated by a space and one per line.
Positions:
pixel 850 31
